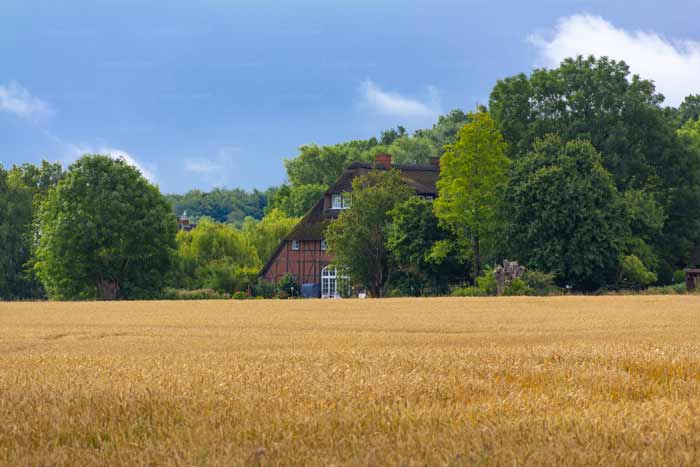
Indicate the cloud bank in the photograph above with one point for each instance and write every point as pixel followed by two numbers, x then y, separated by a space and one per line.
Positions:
pixel 18 100
pixel 395 105
pixel 673 65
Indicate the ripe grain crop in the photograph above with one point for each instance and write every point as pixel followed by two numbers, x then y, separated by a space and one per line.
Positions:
pixel 511 381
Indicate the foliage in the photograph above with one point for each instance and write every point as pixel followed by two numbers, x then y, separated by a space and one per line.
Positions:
pixel 566 214
pixel 106 233
pixel 518 287
pixel 472 179
pixel 198 294
pixel 633 274
pixel 673 289
pixel 471 291
pixel 297 200
pixel 319 165
pixel 216 256
pixel 413 150
pixel 541 283
pixel 358 237
pixel 689 110
pixel 220 204
pixel 22 189
pixel 266 234
pixel 413 236
pixel 240 295
pixel 444 132
pixel 287 286
pixel 621 115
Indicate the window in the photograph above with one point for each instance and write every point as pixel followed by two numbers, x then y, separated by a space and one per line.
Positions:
pixel 339 201
pixel 295 244
pixel 332 283
pixel 324 245
pixel 426 197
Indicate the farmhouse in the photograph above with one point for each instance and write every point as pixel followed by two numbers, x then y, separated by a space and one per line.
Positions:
pixel 303 253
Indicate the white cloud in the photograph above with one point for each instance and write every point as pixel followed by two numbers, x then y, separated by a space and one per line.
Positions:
pixel 217 170
pixel 673 65
pixel 78 151
pixel 18 100
pixel 396 105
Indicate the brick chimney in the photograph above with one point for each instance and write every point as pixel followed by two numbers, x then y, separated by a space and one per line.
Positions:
pixel 383 160
pixel 435 161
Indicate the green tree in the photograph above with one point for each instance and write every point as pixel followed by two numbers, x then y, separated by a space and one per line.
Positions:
pixel 358 237
pixel 319 165
pixel 596 99
pixel 220 204
pixel 215 256
pixel 296 201
pixel 413 238
pixel 413 150
pixel 689 109
pixel 566 214
pixel 265 235
pixel 106 233
pixel 15 237
pixel 473 174
pixel 444 132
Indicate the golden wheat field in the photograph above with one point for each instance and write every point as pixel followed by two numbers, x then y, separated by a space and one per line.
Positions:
pixel 510 381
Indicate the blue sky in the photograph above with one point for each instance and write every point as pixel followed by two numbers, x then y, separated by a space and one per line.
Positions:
pixel 219 92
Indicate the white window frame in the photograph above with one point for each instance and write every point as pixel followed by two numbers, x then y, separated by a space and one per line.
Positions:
pixel 324 245
pixel 329 282
pixel 296 245
pixel 341 201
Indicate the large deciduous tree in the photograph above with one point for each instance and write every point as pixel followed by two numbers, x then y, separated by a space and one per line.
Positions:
pixel 598 100
pixel 358 237
pixel 106 233
pixel 566 213
pixel 473 174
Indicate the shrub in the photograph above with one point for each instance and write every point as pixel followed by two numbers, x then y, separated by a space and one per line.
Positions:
pixel 289 286
pixel 633 274
pixel 240 295
pixel 518 287
pixel 197 294
pixel 679 277
pixel 469 292
pixel 487 283
pixel 540 283
pixel 675 289
pixel 263 288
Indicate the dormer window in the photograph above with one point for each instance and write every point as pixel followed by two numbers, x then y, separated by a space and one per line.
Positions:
pixel 340 201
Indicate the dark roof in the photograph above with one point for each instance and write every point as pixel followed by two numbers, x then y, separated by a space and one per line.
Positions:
pixel 421 178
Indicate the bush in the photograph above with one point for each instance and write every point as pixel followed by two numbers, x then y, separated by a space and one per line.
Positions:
pixel 487 283
pixel 263 289
pixel 469 292
pixel 518 287
pixel 540 283
pixel 240 295
pixel 289 286
pixel 197 294
pixel 675 289
pixel 679 277
pixel 633 274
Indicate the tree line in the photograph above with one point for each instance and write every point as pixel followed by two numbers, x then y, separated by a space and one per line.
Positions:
pixel 578 172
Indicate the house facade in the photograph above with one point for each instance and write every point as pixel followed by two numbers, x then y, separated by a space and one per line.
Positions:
pixel 303 252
